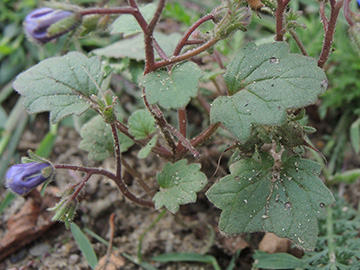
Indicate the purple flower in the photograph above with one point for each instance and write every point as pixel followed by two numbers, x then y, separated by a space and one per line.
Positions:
pixel 22 178
pixel 40 24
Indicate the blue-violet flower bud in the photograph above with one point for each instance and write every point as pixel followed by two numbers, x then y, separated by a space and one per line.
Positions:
pixel 23 178
pixel 45 24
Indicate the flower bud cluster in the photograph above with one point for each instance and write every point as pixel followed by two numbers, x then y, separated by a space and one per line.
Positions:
pixel 66 208
pixel 232 21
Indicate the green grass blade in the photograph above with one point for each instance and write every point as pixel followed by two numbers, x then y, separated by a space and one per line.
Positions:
pixel 189 257
pixel 355 135
pixel 6 201
pixel 143 265
pixel 277 261
pixel 47 143
pixel 84 245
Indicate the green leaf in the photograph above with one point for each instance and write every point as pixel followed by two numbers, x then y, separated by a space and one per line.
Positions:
pixel 277 261
pixel 134 47
pixel 145 151
pixel 172 89
pixel 355 135
pixel 141 124
pixel 348 177
pixel 60 85
pixel 178 183
pixel 84 245
pixel 98 140
pixel 3 118
pixel 264 82
pixel 128 25
pixel 287 202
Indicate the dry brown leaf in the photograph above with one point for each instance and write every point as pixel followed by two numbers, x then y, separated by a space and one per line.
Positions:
pixel 271 243
pixel 28 224
pixel 116 261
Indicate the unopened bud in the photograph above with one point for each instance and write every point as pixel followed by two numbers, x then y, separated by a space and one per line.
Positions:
pixel 23 178
pixel 45 24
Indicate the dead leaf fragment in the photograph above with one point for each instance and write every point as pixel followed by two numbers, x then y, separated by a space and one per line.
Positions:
pixel 271 243
pixel 116 261
pixel 28 224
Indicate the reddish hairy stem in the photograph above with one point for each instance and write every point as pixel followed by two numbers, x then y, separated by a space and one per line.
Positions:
pixel 111 241
pixel 182 126
pixel 161 151
pixel 205 134
pixel 160 121
pixel 202 137
pixel 182 121
pixel 298 42
pixel 104 11
pixel 177 134
pixel 186 55
pixel 279 19
pixel 322 14
pixel 329 34
pixel 82 184
pixel 111 176
pixel 347 13
pixel 137 175
pixel 117 153
pixel 188 33
pixel 149 49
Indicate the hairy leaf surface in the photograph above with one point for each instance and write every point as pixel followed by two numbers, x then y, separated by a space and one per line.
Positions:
pixel 263 83
pixel 172 89
pixel 288 202
pixel 60 85
pixel 178 183
pixel 141 124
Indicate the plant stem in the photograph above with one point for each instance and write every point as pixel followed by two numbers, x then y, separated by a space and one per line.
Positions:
pixel 149 49
pixel 329 34
pixel 188 33
pixel 182 126
pixel 110 246
pixel 145 232
pixel 322 14
pixel 330 238
pixel 202 137
pixel 347 13
pixel 159 150
pixel 178 135
pixel 137 175
pixel 105 11
pixel 80 187
pixel 117 152
pixel 187 55
pixel 298 42
pixel 124 190
pixel 281 5
pixel 205 134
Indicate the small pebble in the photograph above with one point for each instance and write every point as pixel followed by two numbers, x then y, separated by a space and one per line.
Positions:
pixel 73 259
pixel 39 249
